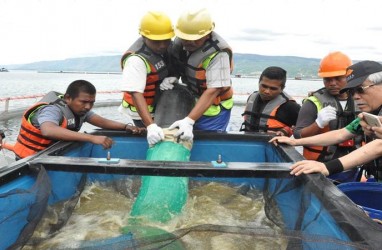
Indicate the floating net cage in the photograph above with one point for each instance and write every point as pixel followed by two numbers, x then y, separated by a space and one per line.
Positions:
pixel 251 203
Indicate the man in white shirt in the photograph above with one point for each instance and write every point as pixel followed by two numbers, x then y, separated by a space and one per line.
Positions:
pixel 145 66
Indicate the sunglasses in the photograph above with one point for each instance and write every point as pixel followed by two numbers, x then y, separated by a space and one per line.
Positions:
pixel 262 85
pixel 359 90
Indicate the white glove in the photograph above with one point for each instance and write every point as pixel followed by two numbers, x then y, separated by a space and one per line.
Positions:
pixel 325 116
pixel 154 134
pixel 168 83
pixel 185 128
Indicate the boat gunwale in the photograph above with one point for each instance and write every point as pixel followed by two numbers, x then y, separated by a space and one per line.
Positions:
pixel 52 159
pixel 164 168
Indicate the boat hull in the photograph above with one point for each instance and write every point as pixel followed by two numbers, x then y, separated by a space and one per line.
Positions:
pixel 310 205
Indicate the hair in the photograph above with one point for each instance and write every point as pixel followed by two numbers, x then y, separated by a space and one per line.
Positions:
pixel 375 78
pixel 275 73
pixel 74 89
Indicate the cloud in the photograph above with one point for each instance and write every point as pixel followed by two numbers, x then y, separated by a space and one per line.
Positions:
pixel 375 28
pixel 38 30
pixel 253 34
pixel 322 41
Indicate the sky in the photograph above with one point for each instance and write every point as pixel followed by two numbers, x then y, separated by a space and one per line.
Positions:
pixel 44 30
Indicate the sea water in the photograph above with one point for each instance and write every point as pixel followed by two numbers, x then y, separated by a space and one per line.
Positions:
pixel 21 86
pixel 26 87
pixel 101 213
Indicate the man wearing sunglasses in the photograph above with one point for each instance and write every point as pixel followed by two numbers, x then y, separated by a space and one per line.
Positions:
pixel 271 109
pixel 327 109
pixel 364 83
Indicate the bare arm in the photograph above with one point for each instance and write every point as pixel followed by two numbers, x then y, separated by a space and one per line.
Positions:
pixel 141 105
pixel 306 125
pixel 134 82
pixel 328 138
pixel 356 158
pixel 325 139
pixel 218 80
pixel 312 129
pixel 104 123
pixel 364 154
pixel 204 102
pixel 55 132
pixel 377 131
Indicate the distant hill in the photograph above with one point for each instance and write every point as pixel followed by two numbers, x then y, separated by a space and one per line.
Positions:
pixel 244 64
pixel 86 64
pixel 251 64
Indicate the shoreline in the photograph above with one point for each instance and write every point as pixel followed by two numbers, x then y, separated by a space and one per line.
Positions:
pixel 81 72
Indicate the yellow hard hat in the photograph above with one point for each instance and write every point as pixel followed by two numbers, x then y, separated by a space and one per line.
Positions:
pixel 193 25
pixel 156 25
pixel 334 64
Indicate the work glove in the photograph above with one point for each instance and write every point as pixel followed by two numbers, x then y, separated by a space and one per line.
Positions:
pixel 168 83
pixel 185 128
pixel 154 134
pixel 325 116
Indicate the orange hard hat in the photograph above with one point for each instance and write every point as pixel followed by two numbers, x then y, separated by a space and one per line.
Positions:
pixel 334 64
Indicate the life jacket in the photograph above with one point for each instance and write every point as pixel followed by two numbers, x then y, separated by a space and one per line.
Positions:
pixel 192 69
pixel 321 98
pixel 157 70
pixel 30 139
pixel 266 120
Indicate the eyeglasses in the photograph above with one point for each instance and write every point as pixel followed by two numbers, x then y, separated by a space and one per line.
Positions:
pixel 262 85
pixel 359 89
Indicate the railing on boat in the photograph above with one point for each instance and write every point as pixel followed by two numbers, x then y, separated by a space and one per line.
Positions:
pixel 10 112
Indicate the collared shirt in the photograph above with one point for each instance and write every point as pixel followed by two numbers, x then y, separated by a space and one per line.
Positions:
pixel 134 75
pixel 218 71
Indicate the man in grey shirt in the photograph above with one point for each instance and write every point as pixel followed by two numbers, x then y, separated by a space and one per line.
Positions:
pixel 55 118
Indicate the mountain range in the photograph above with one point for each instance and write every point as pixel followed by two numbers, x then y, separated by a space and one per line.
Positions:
pixel 244 65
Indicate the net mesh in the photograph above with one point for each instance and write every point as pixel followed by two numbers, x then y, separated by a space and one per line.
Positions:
pixel 300 213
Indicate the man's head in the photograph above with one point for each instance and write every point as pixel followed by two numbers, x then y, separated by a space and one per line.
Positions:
pixel 271 83
pixel 80 97
pixel 157 31
pixel 333 71
pixel 194 28
pixel 364 84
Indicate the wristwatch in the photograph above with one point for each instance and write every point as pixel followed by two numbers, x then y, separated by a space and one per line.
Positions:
pixel 2 133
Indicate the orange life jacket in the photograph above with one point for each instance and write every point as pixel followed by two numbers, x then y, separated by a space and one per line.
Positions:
pixel 266 120
pixel 193 68
pixel 321 98
pixel 30 139
pixel 156 71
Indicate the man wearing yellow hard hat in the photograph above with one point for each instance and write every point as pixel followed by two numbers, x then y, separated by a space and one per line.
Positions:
pixel 327 109
pixel 203 60
pixel 145 66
